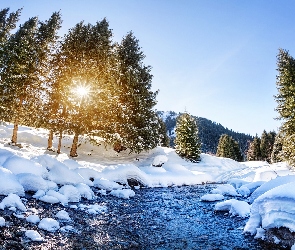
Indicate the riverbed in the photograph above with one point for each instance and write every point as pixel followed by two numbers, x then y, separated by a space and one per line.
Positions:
pixel 155 218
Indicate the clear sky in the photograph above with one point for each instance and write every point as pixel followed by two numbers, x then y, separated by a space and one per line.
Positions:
pixel 215 59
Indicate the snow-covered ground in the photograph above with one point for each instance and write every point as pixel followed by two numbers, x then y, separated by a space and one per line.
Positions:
pixel 61 179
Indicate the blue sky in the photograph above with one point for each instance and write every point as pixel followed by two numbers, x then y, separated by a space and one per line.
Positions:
pixel 216 59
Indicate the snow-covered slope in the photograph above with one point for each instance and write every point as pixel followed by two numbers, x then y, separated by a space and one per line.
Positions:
pixel 61 179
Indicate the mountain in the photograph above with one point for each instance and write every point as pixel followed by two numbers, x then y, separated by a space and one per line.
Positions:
pixel 209 132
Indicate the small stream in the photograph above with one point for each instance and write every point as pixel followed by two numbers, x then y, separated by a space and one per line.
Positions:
pixel 156 218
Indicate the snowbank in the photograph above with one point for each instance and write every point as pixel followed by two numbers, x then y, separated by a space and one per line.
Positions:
pixel 234 207
pixel 273 209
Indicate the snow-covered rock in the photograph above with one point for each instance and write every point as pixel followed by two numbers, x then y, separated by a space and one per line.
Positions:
pixel 12 200
pixel 33 219
pixel 33 235
pixel 49 224
pixel 124 193
pixel 212 197
pixel 71 192
pixel 225 189
pixel 234 207
pixel 63 215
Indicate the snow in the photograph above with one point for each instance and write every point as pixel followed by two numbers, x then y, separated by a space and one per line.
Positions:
pixel 9 183
pixel 12 200
pixel 2 222
pixel 72 193
pixel 49 224
pixel 33 235
pixel 63 215
pixel 234 207
pixel 124 193
pixel 273 209
pixel 212 197
pixel 33 219
pixel 225 189
pixel 61 179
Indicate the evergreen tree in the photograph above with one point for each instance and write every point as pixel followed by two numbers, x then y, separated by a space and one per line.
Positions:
pixel 187 143
pixel 266 145
pixel 286 103
pixel 276 155
pixel 135 125
pixel 229 148
pixel 81 84
pixel 24 69
pixel 254 153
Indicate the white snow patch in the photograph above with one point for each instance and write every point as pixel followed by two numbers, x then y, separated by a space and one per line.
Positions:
pixel 63 215
pixel 212 197
pixel 33 219
pixel 234 207
pixel 49 224
pixel 33 235
pixel 124 193
pixel 12 200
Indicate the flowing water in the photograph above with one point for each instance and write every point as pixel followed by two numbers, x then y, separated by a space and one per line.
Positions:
pixel 158 218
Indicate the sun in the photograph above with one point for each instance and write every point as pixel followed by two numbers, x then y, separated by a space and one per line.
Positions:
pixel 81 91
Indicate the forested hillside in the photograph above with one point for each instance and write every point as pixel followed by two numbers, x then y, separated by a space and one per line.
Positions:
pixel 209 132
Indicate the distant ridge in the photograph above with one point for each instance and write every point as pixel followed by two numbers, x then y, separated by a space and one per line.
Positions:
pixel 209 132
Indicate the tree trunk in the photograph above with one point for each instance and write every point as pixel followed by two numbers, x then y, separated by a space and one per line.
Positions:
pixel 14 133
pixel 50 139
pixel 15 126
pixel 73 152
pixel 59 142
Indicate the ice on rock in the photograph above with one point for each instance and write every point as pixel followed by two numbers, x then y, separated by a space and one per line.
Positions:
pixel 33 235
pixel 234 207
pixel 225 189
pixel 63 215
pixel 49 224
pixel 260 233
pixel 32 182
pixel 12 200
pixel 71 192
pixel 2 222
pixel 94 209
pixel 9 183
pixel 124 193
pixel 212 197
pixel 33 219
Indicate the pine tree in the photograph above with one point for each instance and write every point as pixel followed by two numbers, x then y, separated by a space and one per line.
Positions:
pixel 276 155
pixel 229 148
pixel 254 153
pixel 24 70
pixel 82 79
pixel 187 143
pixel 135 125
pixel 286 103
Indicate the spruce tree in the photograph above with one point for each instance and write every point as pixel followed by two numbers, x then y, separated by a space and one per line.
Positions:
pixel 135 124
pixel 276 155
pixel 82 80
pixel 24 70
pixel 228 148
pixel 254 153
pixel 286 103
pixel 187 142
